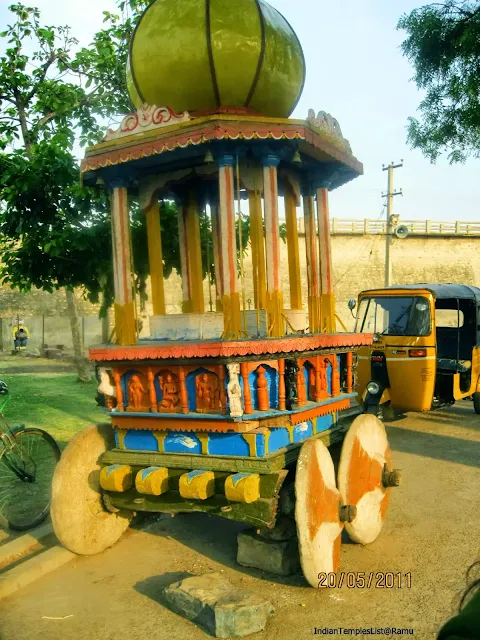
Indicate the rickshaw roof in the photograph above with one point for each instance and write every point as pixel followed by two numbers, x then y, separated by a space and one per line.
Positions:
pixel 439 291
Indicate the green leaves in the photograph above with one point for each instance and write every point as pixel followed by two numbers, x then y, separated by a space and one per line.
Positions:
pixel 443 45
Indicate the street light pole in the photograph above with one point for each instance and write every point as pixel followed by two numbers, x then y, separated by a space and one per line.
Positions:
pixel 389 226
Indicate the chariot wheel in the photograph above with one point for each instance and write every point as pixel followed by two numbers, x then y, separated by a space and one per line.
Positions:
pixel 365 476
pixel 317 512
pixel 80 520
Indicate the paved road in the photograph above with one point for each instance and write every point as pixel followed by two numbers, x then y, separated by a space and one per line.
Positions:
pixel 432 532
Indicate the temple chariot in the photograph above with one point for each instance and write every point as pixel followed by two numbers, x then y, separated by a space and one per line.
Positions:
pixel 229 411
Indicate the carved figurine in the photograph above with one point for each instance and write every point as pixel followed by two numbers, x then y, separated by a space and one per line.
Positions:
pixel 135 392
pixel 170 391
pixel 207 394
pixel 301 388
pixel 291 370
pixel 262 390
pixel 106 387
pixel 234 391
pixel 324 379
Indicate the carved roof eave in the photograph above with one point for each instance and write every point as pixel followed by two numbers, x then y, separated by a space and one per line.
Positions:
pixel 318 134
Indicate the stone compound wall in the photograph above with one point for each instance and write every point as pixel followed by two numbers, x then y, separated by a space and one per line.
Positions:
pixel 358 264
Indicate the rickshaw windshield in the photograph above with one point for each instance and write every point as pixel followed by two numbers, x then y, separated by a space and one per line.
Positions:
pixel 402 316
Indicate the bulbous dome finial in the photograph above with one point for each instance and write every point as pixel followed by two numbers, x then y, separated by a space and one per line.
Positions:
pixel 198 55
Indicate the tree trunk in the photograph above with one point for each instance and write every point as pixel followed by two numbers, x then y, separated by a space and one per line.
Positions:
pixel 83 368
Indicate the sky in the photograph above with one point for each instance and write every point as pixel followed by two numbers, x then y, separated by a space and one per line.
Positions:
pixel 355 72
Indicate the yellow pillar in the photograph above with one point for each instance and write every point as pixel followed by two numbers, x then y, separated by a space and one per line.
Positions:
pixel 293 248
pixel 194 250
pixel 125 329
pixel 258 249
pixel 228 249
pixel 276 323
pixel 155 257
pixel 313 276
pixel 328 320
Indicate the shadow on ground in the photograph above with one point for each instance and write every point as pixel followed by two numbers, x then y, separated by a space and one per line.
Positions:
pixel 435 445
pixel 213 537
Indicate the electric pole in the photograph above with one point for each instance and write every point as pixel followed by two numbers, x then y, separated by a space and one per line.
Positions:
pixel 389 235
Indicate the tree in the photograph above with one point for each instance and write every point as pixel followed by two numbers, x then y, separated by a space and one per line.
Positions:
pixel 53 230
pixel 443 44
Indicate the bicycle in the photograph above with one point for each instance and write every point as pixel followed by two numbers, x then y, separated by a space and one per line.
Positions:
pixel 28 457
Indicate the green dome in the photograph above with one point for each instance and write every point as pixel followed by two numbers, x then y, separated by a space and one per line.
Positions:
pixel 196 55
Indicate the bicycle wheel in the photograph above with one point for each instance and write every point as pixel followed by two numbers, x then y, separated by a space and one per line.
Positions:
pixel 26 473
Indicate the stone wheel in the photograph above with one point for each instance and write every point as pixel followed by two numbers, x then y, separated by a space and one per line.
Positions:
pixel 317 512
pixel 364 476
pixel 80 520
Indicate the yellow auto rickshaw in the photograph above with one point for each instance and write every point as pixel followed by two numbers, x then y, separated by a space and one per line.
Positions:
pixel 426 346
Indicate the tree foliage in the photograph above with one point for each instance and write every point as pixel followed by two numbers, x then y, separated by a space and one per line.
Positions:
pixel 443 44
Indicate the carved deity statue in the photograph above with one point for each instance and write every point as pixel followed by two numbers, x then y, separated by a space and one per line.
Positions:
pixel 135 392
pixel 324 378
pixel 170 391
pixel 234 391
pixel 207 394
pixel 291 371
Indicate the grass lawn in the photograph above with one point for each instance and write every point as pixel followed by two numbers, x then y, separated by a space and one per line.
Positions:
pixel 45 396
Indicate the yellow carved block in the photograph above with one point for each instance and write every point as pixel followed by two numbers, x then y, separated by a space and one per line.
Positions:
pixel 152 481
pixel 116 477
pixel 243 487
pixel 197 485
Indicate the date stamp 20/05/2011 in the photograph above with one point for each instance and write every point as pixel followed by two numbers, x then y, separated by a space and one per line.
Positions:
pixel 364 580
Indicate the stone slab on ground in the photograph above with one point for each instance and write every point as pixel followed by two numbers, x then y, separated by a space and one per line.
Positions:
pixel 216 605
pixel 278 557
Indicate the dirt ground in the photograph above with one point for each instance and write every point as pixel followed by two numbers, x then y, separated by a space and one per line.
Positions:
pixel 431 532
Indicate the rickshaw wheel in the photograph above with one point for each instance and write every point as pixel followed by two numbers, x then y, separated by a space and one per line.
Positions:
pixel 476 402
pixel 365 462
pixel 317 512
pixel 80 520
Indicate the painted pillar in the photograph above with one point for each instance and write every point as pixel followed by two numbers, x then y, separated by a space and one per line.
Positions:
pixel 228 249
pixel 272 244
pixel 184 260
pixel 293 248
pixel 216 237
pixel 313 276
pixel 125 328
pixel 155 257
pixel 258 249
pixel 328 322
pixel 191 256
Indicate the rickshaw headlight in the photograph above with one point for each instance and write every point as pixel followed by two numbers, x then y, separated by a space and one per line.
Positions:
pixel 373 388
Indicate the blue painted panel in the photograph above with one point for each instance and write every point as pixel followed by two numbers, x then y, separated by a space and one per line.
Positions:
pixel 272 385
pixel 141 441
pixel 329 378
pixel 279 437
pixel 261 448
pixel 115 435
pixel 158 390
pixel 302 431
pixel 324 423
pixel 228 444
pixel 182 442
pixel 307 367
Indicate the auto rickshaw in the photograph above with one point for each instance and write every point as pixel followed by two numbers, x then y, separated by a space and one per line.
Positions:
pixel 425 350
